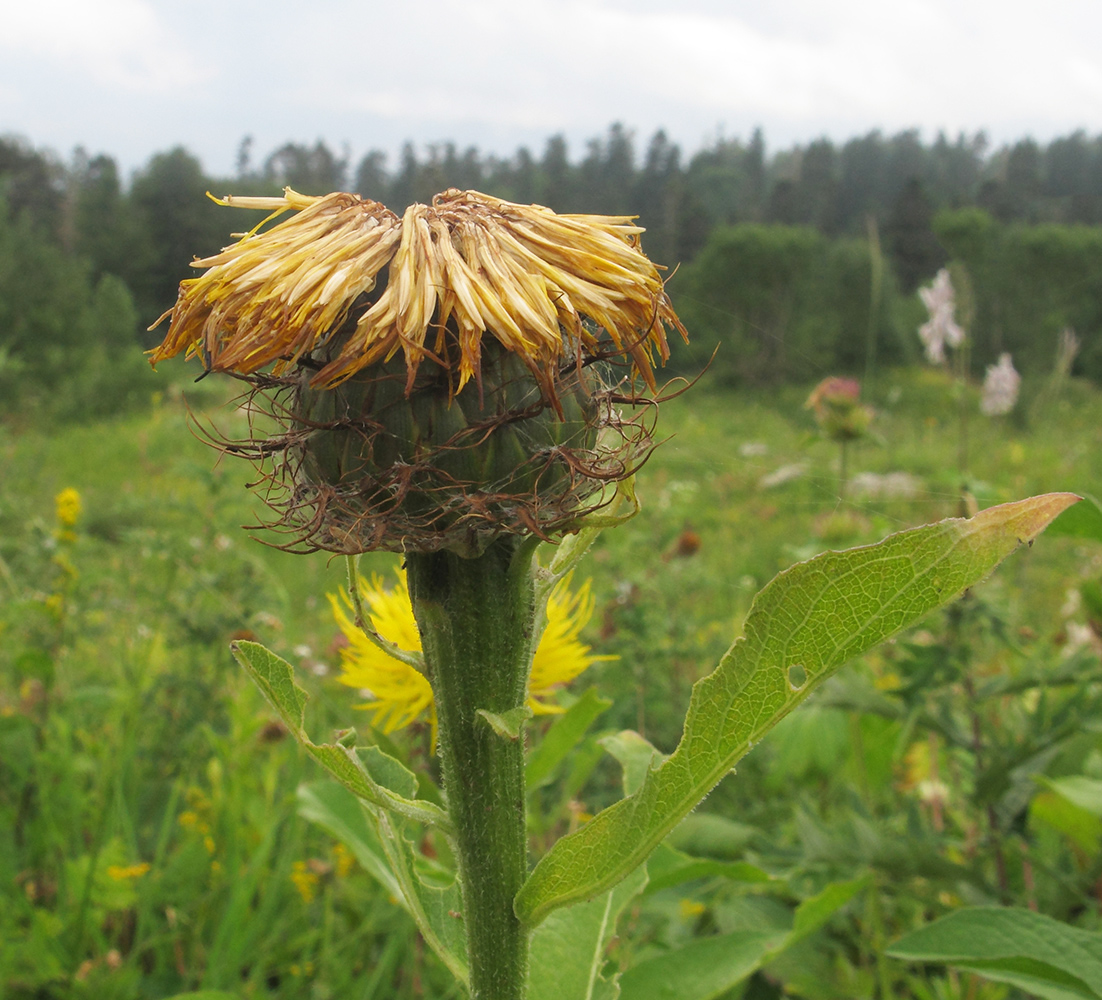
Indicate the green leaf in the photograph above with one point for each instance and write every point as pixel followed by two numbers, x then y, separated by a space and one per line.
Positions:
pixel 708 967
pixel 1065 817
pixel 668 867
pixel 711 836
pixel 207 995
pixel 568 948
pixel 1084 792
pixel 812 913
pixel 426 788
pixel 636 756
pixel 803 626
pixel 369 773
pixel 1073 806
pixel 507 725
pixel 703 969
pixel 1084 520
pixel 388 772
pixel 1026 949
pixel 564 734
pixel 380 845
pixel 330 806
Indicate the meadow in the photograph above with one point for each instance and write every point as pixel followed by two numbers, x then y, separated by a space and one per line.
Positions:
pixel 151 839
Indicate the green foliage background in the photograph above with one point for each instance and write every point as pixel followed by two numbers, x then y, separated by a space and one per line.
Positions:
pixel 770 254
pixel 128 736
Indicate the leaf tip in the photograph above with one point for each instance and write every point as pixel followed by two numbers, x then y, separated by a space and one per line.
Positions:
pixel 1027 518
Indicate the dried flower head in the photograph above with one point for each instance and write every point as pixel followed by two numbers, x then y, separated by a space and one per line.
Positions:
pixel 941 329
pixel 520 273
pixel 434 376
pixel 1000 387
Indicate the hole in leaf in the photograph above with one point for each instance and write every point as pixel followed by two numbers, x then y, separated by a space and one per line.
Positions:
pixel 797 676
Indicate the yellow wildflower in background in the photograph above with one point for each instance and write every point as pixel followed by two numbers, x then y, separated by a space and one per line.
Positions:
pixel 68 507
pixel 343 860
pixel 305 881
pixel 67 511
pixel 561 656
pixel 124 873
pixel 401 694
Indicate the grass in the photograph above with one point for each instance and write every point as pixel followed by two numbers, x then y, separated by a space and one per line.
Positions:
pixel 149 842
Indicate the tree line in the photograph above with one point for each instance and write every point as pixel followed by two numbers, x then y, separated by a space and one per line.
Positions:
pixel 774 252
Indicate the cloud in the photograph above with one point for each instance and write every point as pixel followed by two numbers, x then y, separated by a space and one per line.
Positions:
pixel 120 43
pixel 142 74
pixel 556 64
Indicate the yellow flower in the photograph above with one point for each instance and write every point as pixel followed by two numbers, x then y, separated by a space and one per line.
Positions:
pixel 343 860
pixel 124 873
pixel 690 908
pixel 68 507
pixel 467 265
pixel 561 656
pixel 305 881
pixel 401 694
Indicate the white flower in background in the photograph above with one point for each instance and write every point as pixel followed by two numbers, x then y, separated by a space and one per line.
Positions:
pixel 785 474
pixel 1079 635
pixel 886 486
pixel 941 328
pixel 1000 387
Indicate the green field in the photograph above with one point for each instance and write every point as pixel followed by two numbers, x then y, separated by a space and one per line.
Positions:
pixel 149 838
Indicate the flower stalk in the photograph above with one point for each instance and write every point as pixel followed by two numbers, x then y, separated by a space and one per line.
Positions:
pixel 441 384
pixel 476 617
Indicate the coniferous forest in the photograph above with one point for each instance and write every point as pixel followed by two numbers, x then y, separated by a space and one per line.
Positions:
pixel 792 262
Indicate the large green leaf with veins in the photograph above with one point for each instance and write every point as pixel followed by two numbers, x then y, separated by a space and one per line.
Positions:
pixel 1028 950
pixel 803 626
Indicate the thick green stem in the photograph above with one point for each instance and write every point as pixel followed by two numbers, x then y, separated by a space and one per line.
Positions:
pixel 476 619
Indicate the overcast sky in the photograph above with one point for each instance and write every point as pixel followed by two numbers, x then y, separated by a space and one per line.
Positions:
pixel 133 77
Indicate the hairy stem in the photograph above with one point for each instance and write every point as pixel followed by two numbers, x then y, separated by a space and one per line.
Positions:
pixel 476 618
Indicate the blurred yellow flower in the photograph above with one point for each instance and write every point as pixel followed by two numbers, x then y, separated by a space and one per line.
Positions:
pixel 343 860
pixel 306 881
pixel 68 507
pixel 690 908
pixel 191 820
pixel 124 873
pixel 401 694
